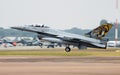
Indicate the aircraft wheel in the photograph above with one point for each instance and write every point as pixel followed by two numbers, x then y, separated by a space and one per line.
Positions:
pixel 40 45
pixel 67 49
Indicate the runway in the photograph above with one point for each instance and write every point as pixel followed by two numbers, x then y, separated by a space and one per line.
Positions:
pixel 59 65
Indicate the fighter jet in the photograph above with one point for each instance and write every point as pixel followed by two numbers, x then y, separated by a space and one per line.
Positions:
pixel 94 38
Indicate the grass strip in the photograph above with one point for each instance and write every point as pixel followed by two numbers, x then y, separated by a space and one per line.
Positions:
pixel 60 53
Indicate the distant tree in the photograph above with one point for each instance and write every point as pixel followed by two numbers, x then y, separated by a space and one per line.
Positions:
pixel 1 28
pixel 103 22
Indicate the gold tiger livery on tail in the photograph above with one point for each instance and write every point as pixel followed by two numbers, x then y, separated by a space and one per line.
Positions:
pixel 100 31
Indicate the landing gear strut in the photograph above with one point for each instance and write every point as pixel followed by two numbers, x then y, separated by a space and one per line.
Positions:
pixel 67 49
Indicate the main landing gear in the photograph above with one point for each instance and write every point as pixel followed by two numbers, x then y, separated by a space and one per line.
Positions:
pixel 67 49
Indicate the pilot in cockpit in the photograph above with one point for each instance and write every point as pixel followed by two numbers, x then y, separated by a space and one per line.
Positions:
pixel 37 26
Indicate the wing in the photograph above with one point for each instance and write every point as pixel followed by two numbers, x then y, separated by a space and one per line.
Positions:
pixel 77 38
pixel 82 41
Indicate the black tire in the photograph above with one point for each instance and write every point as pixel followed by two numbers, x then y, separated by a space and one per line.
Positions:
pixel 67 49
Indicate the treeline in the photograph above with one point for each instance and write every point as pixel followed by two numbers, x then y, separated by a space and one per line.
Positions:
pixel 13 32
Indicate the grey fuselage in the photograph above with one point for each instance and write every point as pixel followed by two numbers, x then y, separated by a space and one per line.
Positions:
pixel 58 36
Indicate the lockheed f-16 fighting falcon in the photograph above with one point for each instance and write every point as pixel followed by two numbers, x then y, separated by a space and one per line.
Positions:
pixel 94 38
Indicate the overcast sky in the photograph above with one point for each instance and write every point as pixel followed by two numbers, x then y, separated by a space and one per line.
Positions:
pixel 60 14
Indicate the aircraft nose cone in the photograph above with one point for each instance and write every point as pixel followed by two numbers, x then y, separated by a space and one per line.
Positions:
pixel 18 28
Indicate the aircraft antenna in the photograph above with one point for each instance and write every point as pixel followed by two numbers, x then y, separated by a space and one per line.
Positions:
pixel 116 25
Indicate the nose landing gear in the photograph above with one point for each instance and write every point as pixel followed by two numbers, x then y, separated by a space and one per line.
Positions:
pixel 67 49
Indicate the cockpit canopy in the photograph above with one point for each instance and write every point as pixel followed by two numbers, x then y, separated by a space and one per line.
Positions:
pixel 42 26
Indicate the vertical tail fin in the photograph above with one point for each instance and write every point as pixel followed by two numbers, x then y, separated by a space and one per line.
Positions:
pixel 100 31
